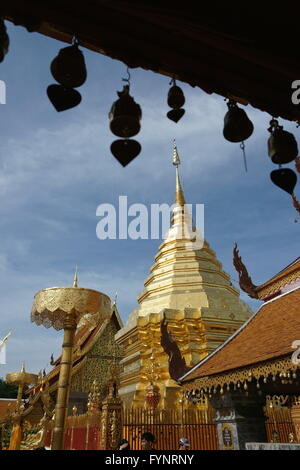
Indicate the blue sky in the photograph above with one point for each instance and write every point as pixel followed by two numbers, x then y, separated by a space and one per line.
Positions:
pixel 56 168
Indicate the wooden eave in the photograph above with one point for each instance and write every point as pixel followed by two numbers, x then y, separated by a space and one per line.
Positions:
pixel 234 51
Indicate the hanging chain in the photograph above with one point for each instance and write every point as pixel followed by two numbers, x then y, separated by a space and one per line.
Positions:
pixel 75 41
pixel 128 78
pixel 173 82
pixel 242 146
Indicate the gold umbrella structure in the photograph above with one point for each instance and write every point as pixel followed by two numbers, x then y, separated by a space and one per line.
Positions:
pixel 66 308
pixel 21 379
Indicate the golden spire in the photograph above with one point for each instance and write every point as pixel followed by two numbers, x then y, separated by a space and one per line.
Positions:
pixel 179 198
pixel 23 367
pixel 75 282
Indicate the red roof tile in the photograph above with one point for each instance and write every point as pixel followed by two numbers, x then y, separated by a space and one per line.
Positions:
pixel 268 334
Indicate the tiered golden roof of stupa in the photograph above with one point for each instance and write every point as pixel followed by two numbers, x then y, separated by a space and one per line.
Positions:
pixel 186 283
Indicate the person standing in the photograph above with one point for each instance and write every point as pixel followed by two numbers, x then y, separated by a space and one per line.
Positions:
pixel 184 443
pixel 148 440
pixel 124 445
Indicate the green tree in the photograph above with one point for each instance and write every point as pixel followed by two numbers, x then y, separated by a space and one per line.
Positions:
pixel 7 390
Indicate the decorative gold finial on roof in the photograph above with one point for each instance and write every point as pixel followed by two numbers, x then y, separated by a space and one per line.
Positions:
pixel 176 159
pixel 23 367
pixel 75 282
pixel 179 198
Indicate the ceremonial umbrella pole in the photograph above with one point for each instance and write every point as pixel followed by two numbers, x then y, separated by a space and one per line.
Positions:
pixel 21 379
pixel 66 308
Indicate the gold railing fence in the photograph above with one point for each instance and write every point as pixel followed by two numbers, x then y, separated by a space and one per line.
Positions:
pixel 279 419
pixel 168 426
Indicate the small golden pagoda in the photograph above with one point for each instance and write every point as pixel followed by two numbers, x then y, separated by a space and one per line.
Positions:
pixel 188 287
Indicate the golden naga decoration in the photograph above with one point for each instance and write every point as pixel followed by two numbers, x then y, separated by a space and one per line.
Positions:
pixel 34 435
pixel 245 280
pixel 177 364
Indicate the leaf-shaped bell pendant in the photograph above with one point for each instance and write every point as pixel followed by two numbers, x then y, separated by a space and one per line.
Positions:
pixel 176 100
pixel 63 98
pixel 125 150
pixel 237 125
pixel 125 115
pixel 285 179
pixel 68 68
pixel 282 145
pixel 4 40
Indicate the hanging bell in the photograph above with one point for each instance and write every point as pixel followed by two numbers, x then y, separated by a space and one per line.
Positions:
pixel 4 40
pixel 125 150
pixel 285 179
pixel 176 97
pixel 282 145
pixel 237 125
pixel 176 100
pixel 68 68
pixel 125 115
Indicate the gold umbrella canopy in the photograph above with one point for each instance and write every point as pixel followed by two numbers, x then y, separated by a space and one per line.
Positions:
pixel 53 306
pixel 21 378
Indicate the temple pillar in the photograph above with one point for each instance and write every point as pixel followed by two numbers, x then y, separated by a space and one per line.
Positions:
pixel 111 420
pixel 239 419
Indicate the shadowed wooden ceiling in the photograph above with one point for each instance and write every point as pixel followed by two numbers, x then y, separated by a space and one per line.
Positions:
pixel 242 52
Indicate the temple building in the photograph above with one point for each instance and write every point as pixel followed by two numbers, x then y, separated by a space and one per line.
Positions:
pixel 255 373
pixel 188 287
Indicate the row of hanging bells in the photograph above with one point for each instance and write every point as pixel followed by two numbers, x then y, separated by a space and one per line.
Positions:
pixel 282 146
pixel 282 149
pixel 69 70
pixel 125 116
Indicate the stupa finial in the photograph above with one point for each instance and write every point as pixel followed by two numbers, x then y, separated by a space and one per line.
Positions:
pixel 179 198
pixel 75 282
pixel 176 159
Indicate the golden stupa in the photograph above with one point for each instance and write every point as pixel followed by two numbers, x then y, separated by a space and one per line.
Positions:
pixel 188 286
